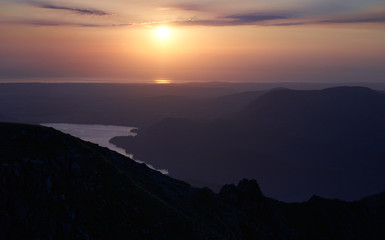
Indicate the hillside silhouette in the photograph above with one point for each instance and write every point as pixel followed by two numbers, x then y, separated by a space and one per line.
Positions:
pixel 55 186
pixel 327 142
pixel 136 105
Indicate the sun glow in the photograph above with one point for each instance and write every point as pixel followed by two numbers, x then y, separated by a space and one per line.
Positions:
pixel 163 32
pixel 162 81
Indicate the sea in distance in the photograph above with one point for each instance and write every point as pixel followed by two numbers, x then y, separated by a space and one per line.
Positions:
pixel 99 134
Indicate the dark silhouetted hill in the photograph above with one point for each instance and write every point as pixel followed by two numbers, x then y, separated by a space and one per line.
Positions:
pixel 4 118
pixel 327 142
pixel 135 105
pixel 55 186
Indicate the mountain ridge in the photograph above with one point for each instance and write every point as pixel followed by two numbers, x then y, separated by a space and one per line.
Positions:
pixel 326 142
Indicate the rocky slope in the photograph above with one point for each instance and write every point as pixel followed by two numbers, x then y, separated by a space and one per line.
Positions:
pixel 55 186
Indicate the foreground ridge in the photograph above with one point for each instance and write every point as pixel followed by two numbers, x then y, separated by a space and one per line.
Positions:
pixel 55 186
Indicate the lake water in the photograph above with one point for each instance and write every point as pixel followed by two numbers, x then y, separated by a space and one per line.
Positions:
pixel 99 134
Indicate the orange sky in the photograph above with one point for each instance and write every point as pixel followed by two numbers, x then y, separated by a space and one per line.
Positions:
pixel 235 42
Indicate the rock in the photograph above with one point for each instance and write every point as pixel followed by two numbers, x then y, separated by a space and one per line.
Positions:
pixel 75 169
pixel 250 189
pixel 48 185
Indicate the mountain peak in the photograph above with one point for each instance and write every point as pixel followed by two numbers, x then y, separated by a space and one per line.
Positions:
pixel 247 190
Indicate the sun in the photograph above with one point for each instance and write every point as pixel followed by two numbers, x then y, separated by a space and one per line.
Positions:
pixel 163 32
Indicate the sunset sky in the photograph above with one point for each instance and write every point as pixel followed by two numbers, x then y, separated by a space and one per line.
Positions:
pixel 217 40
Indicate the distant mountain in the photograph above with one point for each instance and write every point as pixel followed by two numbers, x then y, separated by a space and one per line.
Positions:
pixel 4 118
pixel 55 186
pixel 135 105
pixel 328 142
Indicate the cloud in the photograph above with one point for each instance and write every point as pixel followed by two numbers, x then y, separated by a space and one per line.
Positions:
pixel 283 19
pixel 350 20
pixel 49 23
pixel 380 19
pixel 246 19
pixel 190 7
pixel 206 7
pixel 82 11
pixel 290 24
pixel 232 20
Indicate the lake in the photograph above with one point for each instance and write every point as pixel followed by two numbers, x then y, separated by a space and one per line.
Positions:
pixel 99 134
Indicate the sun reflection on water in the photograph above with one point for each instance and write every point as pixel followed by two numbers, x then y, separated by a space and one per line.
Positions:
pixel 162 81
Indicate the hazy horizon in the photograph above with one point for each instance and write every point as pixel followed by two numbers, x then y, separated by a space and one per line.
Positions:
pixel 236 41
